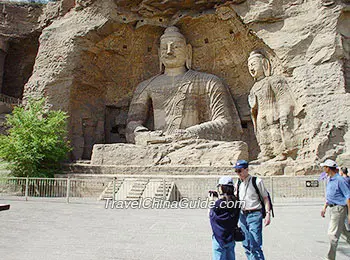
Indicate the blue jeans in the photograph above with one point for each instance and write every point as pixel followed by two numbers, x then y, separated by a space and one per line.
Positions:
pixel 223 253
pixel 251 225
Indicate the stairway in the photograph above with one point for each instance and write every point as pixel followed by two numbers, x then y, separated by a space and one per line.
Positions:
pixel 108 191
pixel 137 189
pixel 163 193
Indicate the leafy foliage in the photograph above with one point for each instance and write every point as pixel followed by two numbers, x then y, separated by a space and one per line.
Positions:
pixel 37 140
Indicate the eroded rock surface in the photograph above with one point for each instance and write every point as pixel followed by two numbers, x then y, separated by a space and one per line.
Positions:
pixel 19 35
pixel 310 40
pixel 185 153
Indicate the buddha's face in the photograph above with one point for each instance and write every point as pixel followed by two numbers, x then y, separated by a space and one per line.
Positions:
pixel 173 52
pixel 255 67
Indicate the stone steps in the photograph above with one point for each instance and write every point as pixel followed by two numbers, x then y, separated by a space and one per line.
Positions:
pixel 108 192
pixel 160 191
pixel 136 189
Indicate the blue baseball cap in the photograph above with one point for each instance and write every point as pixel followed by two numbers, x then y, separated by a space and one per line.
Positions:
pixel 241 164
pixel 226 180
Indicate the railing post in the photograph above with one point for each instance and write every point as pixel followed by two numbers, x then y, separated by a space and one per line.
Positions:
pixel 272 190
pixel 27 187
pixel 114 188
pixel 68 189
pixel 164 192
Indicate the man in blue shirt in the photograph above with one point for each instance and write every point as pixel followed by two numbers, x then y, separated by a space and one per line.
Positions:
pixel 338 200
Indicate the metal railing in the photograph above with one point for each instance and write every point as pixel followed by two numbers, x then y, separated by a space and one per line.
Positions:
pixel 64 188
pixel 10 100
pixel 134 187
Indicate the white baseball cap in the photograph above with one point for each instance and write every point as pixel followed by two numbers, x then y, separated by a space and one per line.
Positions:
pixel 226 180
pixel 329 163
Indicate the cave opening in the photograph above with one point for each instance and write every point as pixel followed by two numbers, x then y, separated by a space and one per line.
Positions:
pixel 18 62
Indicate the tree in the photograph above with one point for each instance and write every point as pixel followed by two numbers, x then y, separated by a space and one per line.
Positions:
pixel 37 140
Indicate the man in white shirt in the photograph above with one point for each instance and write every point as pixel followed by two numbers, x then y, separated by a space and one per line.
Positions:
pixel 251 217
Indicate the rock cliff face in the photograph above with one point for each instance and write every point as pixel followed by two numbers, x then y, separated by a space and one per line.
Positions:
pixel 19 34
pixel 311 40
pixel 93 54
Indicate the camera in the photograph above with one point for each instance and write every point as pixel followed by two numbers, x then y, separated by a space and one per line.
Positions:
pixel 213 193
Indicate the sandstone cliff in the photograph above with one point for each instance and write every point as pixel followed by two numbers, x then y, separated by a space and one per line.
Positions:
pixel 92 55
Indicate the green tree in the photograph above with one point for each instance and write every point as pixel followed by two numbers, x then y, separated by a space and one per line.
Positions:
pixel 37 140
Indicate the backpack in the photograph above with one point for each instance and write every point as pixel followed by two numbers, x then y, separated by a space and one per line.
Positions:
pixel 263 209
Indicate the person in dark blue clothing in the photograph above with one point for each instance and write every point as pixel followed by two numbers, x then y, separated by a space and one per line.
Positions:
pixel 224 218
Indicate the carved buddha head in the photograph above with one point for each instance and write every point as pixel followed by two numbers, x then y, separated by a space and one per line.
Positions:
pixel 258 65
pixel 174 52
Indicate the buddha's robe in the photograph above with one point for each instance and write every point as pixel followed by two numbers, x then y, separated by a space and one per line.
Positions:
pixel 197 102
pixel 272 107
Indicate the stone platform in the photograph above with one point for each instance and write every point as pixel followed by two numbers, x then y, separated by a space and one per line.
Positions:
pixel 85 169
pixel 285 168
pixel 191 152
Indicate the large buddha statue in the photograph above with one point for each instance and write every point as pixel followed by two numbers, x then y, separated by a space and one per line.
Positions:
pixel 273 110
pixel 180 102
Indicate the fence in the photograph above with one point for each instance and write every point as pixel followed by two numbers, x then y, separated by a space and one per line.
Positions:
pixel 10 100
pixel 59 188
pixel 134 187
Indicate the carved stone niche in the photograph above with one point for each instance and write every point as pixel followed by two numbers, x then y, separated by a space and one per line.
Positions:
pixel 102 61
pixel 225 60
pixel 195 121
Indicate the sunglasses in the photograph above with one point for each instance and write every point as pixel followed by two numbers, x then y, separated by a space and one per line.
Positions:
pixel 238 170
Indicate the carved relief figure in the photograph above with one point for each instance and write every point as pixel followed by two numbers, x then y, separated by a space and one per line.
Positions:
pixel 272 109
pixel 180 102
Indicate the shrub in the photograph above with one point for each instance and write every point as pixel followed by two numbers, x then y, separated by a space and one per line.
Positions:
pixel 36 142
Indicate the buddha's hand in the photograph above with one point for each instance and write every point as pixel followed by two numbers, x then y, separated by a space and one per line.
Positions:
pixel 157 133
pixel 284 121
pixel 140 132
pixel 140 129
pixel 183 134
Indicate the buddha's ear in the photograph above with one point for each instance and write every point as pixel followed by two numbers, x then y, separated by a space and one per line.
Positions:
pixel 266 67
pixel 189 56
pixel 160 62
